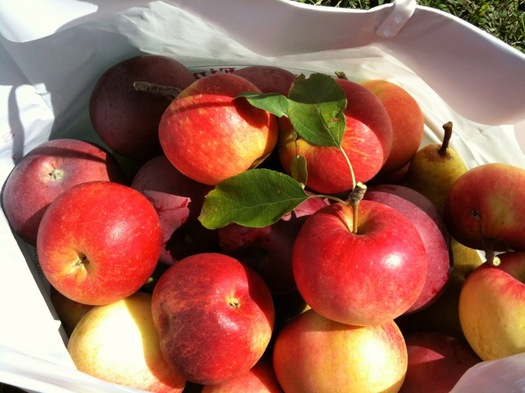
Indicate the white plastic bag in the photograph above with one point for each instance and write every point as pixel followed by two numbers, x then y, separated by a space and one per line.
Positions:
pixel 52 52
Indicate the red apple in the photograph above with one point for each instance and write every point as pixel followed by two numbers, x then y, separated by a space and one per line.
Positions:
pixel 270 79
pixel 126 119
pixel 436 362
pixel 45 172
pixel 434 239
pixel 209 135
pixel 259 379
pixel 214 316
pixel 492 307
pixel 178 201
pixel 367 141
pixel 99 242
pixel 317 355
pixel 361 278
pixel 484 207
pixel 408 123
pixel 268 250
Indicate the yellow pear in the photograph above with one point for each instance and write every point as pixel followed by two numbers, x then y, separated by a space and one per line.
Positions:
pixel 434 168
pixel 465 259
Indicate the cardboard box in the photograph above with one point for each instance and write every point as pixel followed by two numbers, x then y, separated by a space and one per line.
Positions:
pixel 52 52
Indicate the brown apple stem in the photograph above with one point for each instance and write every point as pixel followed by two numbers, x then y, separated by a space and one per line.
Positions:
pixel 153 88
pixel 490 256
pixel 355 198
pixel 447 127
pixel 341 75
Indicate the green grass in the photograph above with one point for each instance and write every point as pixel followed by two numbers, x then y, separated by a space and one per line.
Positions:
pixel 504 19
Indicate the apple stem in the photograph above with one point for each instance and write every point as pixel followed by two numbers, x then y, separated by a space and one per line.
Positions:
pixel 355 198
pixel 447 127
pixel 341 75
pixel 491 257
pixel 153 88
pixel 352 173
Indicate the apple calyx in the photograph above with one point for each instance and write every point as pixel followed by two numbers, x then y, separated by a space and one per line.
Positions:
pixel 447 127
pixel 56 174
pixel 148 87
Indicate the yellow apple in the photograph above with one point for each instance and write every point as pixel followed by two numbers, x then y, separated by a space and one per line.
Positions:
pixel 118 343
pixel 492 307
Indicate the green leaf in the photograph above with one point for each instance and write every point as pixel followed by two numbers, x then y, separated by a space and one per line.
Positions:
pixel 315 109
pixel 274 103
pixel 254 198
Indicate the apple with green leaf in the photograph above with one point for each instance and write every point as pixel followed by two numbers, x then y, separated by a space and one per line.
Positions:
pixel 209 133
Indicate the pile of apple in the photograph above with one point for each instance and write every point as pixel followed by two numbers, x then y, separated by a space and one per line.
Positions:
pixel 273 233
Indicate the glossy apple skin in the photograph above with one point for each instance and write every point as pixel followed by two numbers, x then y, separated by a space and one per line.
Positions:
pixel 317 355
pixel 118 343
pixel 408 123
pixel 436 362
pixel 127 120
pixel 48 170
pixel 178 201
pixel 359 279
pixel 492 307
pixel 270 79
pixel 259 379
pixel 214 315
pixel 268 250
pixel 484 207
pixel 434 239
pixel 99 242
pixel 208 135
pixel 367 141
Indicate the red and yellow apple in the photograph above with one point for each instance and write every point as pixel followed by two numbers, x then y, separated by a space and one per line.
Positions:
pixel 313 354
pixel 118 343
pixel 209 135
pixel 408 123
pixel 367 141
pixel 484 208
pixel 215 317
pixel 45 172
pixel 359 273
pixel 99 242
pixel 492 307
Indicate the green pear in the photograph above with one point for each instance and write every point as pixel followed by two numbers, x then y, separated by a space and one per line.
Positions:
pixel 464 259
pixel 434 168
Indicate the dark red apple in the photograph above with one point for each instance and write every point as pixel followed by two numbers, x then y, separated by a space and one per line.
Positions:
pixel 434 239
pixel 127 120
pixel 178 201
pixel 436 361
pixel 270 79
pixel 48 170
pixel 268 250
pixel 99 242
pixel 359 273
pixel 214 315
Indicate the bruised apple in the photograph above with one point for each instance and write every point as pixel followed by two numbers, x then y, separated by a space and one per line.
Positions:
pixel 359 273
pixel 214 315
pixel 99 242
pixel 367 141
pixel 313 354
pixel 118 343
pixel 126 119
pixel 209 135
pixel 48 170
